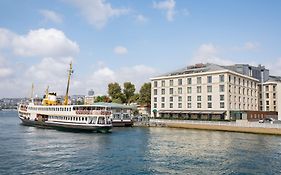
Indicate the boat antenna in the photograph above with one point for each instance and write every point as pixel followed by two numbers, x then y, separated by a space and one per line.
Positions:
pixel 70 71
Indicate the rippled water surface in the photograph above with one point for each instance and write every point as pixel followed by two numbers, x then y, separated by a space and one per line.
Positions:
pixel 30 150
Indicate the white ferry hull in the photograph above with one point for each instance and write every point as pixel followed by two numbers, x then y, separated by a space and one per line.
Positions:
pixel 69 127
pixel 122 123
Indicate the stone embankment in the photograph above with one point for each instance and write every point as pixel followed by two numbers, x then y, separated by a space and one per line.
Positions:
pixel 244 126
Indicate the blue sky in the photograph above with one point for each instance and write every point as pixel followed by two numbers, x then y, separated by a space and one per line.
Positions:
pixel 129 40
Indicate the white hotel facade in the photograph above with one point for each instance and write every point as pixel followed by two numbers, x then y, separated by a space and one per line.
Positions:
pixel 210 91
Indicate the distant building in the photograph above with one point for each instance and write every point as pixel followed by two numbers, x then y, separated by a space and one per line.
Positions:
pixel 91 92
pixel 144 110
pixel 211 91
pixel 89 100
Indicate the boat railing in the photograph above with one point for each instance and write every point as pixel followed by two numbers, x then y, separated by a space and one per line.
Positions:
pixel 93 112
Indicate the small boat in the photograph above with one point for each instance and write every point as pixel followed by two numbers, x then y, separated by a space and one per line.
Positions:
pixel 51 114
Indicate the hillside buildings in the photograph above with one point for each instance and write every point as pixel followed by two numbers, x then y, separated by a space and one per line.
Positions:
pixel 211 91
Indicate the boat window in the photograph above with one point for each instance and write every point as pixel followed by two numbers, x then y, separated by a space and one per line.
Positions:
pixel 69 109
pixel 101 120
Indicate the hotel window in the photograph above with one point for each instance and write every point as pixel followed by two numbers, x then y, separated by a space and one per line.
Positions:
pixel 209 105
pixel 155 99
pixel 229 78
pixel 188 98
pixel 209 79
pixel 179 82
pixel 266 88
pixel 274 95
pixel 199 80
pixel 222 97
pixel 221 88
pixel 199 89
pixel 198 105
pixel 198 98
pixel 179 105
pixel 267 108
pixel 221 104
pixel 188 105
pixel 243 82
pixel 155 91
pixel 209 88
pixel 209 98
pixel 171 90
pixel 162 99
pixel 274 102
pixel 180 90
pixel 163 83
pixel 162 105
pixel 171 99
pixel 179 98
pixel 267 102
pixel 189 81
pixel 189 90
pixel 267 95
pixel 274 88
pixel 163 91
pixel 171 82
pixel 171 105
pixel 155 105
pixel 239 80
pixel 155 83
pixel 221 78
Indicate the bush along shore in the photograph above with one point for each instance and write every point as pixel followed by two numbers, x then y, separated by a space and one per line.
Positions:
pixel 230 126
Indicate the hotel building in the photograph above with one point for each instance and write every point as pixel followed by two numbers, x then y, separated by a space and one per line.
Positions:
pixel 215 92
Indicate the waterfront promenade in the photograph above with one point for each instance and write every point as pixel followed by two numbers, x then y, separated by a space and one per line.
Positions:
pixel 247 127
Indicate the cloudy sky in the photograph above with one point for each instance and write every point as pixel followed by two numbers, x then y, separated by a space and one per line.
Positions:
pixel 128 40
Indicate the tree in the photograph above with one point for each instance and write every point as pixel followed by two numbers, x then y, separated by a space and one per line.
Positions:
pixel 114 91
pixel 129 90
pixel 135 98
pixel 145 94
pixel 103 98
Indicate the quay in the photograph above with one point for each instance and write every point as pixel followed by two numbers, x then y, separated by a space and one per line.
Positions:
pixel 244 127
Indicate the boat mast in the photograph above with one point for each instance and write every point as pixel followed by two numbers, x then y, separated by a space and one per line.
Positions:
pixel 32 91
pixel 70 71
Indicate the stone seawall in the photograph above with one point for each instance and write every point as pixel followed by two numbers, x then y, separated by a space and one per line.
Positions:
pixel 246 127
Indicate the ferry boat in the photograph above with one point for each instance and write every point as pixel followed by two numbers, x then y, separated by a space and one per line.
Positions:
pixel 121 115
pixel 51 114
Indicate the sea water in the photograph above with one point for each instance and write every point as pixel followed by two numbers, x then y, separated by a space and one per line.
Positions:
pixel 134 150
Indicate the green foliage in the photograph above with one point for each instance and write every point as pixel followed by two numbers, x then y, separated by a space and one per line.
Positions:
pixel 114 91
pixel 145 94
pixel 128 91
pixel 135 98
pixel 103 98
pixel 128 95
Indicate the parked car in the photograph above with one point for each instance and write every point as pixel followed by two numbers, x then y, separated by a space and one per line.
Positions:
pixel 267 120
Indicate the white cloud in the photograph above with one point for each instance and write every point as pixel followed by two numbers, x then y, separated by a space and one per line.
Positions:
pixel 49 71
pixel 50 15
pixel 169 6
pixel 44 42
pixel 41 43
pixel 251 45
pixel 209 53
pixel 140 18
pixel 5 38
pixel 5 70
pixel 247 46
pixel 103 75
pixel 98 12
pixel 120 50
